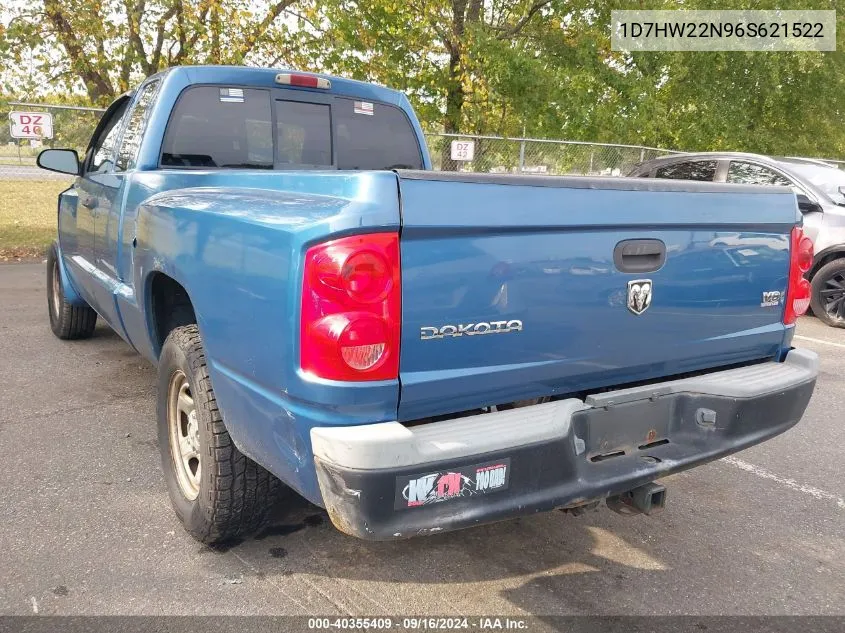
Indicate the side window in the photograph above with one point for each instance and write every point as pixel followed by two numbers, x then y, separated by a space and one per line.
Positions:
pixel 128 152
pixel 694 170
pixel 216 126
pixel 102 153
pixel 751 174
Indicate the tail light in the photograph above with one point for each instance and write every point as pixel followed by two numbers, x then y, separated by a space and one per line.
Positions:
pixel 798 290
pixel 351 307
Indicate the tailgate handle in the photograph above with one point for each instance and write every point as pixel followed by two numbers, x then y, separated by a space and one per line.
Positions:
pixel 639 256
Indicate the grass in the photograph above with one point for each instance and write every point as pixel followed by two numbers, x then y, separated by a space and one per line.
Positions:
pixel 14 160
pixel 10 155
pixel 28 217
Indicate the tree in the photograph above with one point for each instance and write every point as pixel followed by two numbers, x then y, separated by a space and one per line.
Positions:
pixel 107 46
pixel 780 103
pixel 470 65
pixel 544 68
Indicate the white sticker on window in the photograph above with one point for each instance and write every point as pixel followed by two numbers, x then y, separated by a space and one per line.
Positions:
pixel 232 95
pixel 364 107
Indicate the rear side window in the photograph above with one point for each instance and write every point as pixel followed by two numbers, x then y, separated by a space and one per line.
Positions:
pixel 374 136
pixel 752 174
pixel 105 145
pixel 695 170
pixel 128 151
pixel 215 126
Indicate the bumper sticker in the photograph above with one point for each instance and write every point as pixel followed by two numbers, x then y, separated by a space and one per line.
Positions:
pixel 466 481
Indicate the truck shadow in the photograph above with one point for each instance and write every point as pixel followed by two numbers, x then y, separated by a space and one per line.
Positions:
pixel 550 564
pixel 685 560
pixel 542 553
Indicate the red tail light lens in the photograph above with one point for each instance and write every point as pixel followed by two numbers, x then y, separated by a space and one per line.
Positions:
pixel 351 306
pixel 798 290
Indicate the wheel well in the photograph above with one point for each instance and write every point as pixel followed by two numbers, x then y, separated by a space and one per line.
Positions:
pixel 171 307
pixel 825 258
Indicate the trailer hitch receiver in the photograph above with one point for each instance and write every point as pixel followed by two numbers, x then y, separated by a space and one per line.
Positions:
pixel 648 499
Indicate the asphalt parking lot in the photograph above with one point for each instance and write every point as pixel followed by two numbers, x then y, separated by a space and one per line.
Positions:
pixel 87 528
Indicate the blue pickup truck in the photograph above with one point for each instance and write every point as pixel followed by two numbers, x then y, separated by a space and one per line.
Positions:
pixel 416 351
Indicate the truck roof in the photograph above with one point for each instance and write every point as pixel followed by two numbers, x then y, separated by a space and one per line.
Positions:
pixel 266 77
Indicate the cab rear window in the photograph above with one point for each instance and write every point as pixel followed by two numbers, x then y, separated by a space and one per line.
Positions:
pixel 374 136
pixel 303 134
pixel 218 127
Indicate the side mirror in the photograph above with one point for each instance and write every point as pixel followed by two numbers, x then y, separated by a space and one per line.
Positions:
pixel 64 161
pixel 805 205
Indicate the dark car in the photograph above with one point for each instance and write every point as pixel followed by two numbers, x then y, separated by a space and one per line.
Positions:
pixel 819 186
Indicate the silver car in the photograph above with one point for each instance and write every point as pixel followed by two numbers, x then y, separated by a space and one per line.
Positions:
pixel 820 189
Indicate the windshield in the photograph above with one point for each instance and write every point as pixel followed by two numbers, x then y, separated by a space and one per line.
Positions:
pixel 827 179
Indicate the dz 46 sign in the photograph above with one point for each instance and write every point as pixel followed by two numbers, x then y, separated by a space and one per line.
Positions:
pixel 31 124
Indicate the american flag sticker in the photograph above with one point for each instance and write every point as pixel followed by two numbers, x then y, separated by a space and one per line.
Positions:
pixel 232 95
pixel 364 107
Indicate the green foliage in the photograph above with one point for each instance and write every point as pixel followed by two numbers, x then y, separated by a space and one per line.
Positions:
pixel 542 68
pixel 778 103
pixel 107 46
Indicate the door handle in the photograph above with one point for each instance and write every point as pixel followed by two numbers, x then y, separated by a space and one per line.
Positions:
pixel 89 202
pixel 639 256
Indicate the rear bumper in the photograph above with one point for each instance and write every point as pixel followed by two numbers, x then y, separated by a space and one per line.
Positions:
pixel 384 481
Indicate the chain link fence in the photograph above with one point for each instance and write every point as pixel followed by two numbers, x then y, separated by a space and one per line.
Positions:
pixel 28 194
pixel 72 128
pixel 492 154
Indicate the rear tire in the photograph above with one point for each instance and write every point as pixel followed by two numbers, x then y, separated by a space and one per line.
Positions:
pixel 67 321
pixel 828 293
pixel 218 493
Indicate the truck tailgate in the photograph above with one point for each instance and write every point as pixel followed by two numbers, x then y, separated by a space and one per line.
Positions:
pixel 510 289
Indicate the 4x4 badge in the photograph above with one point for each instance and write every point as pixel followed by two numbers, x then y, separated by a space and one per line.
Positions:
pixel 639 295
